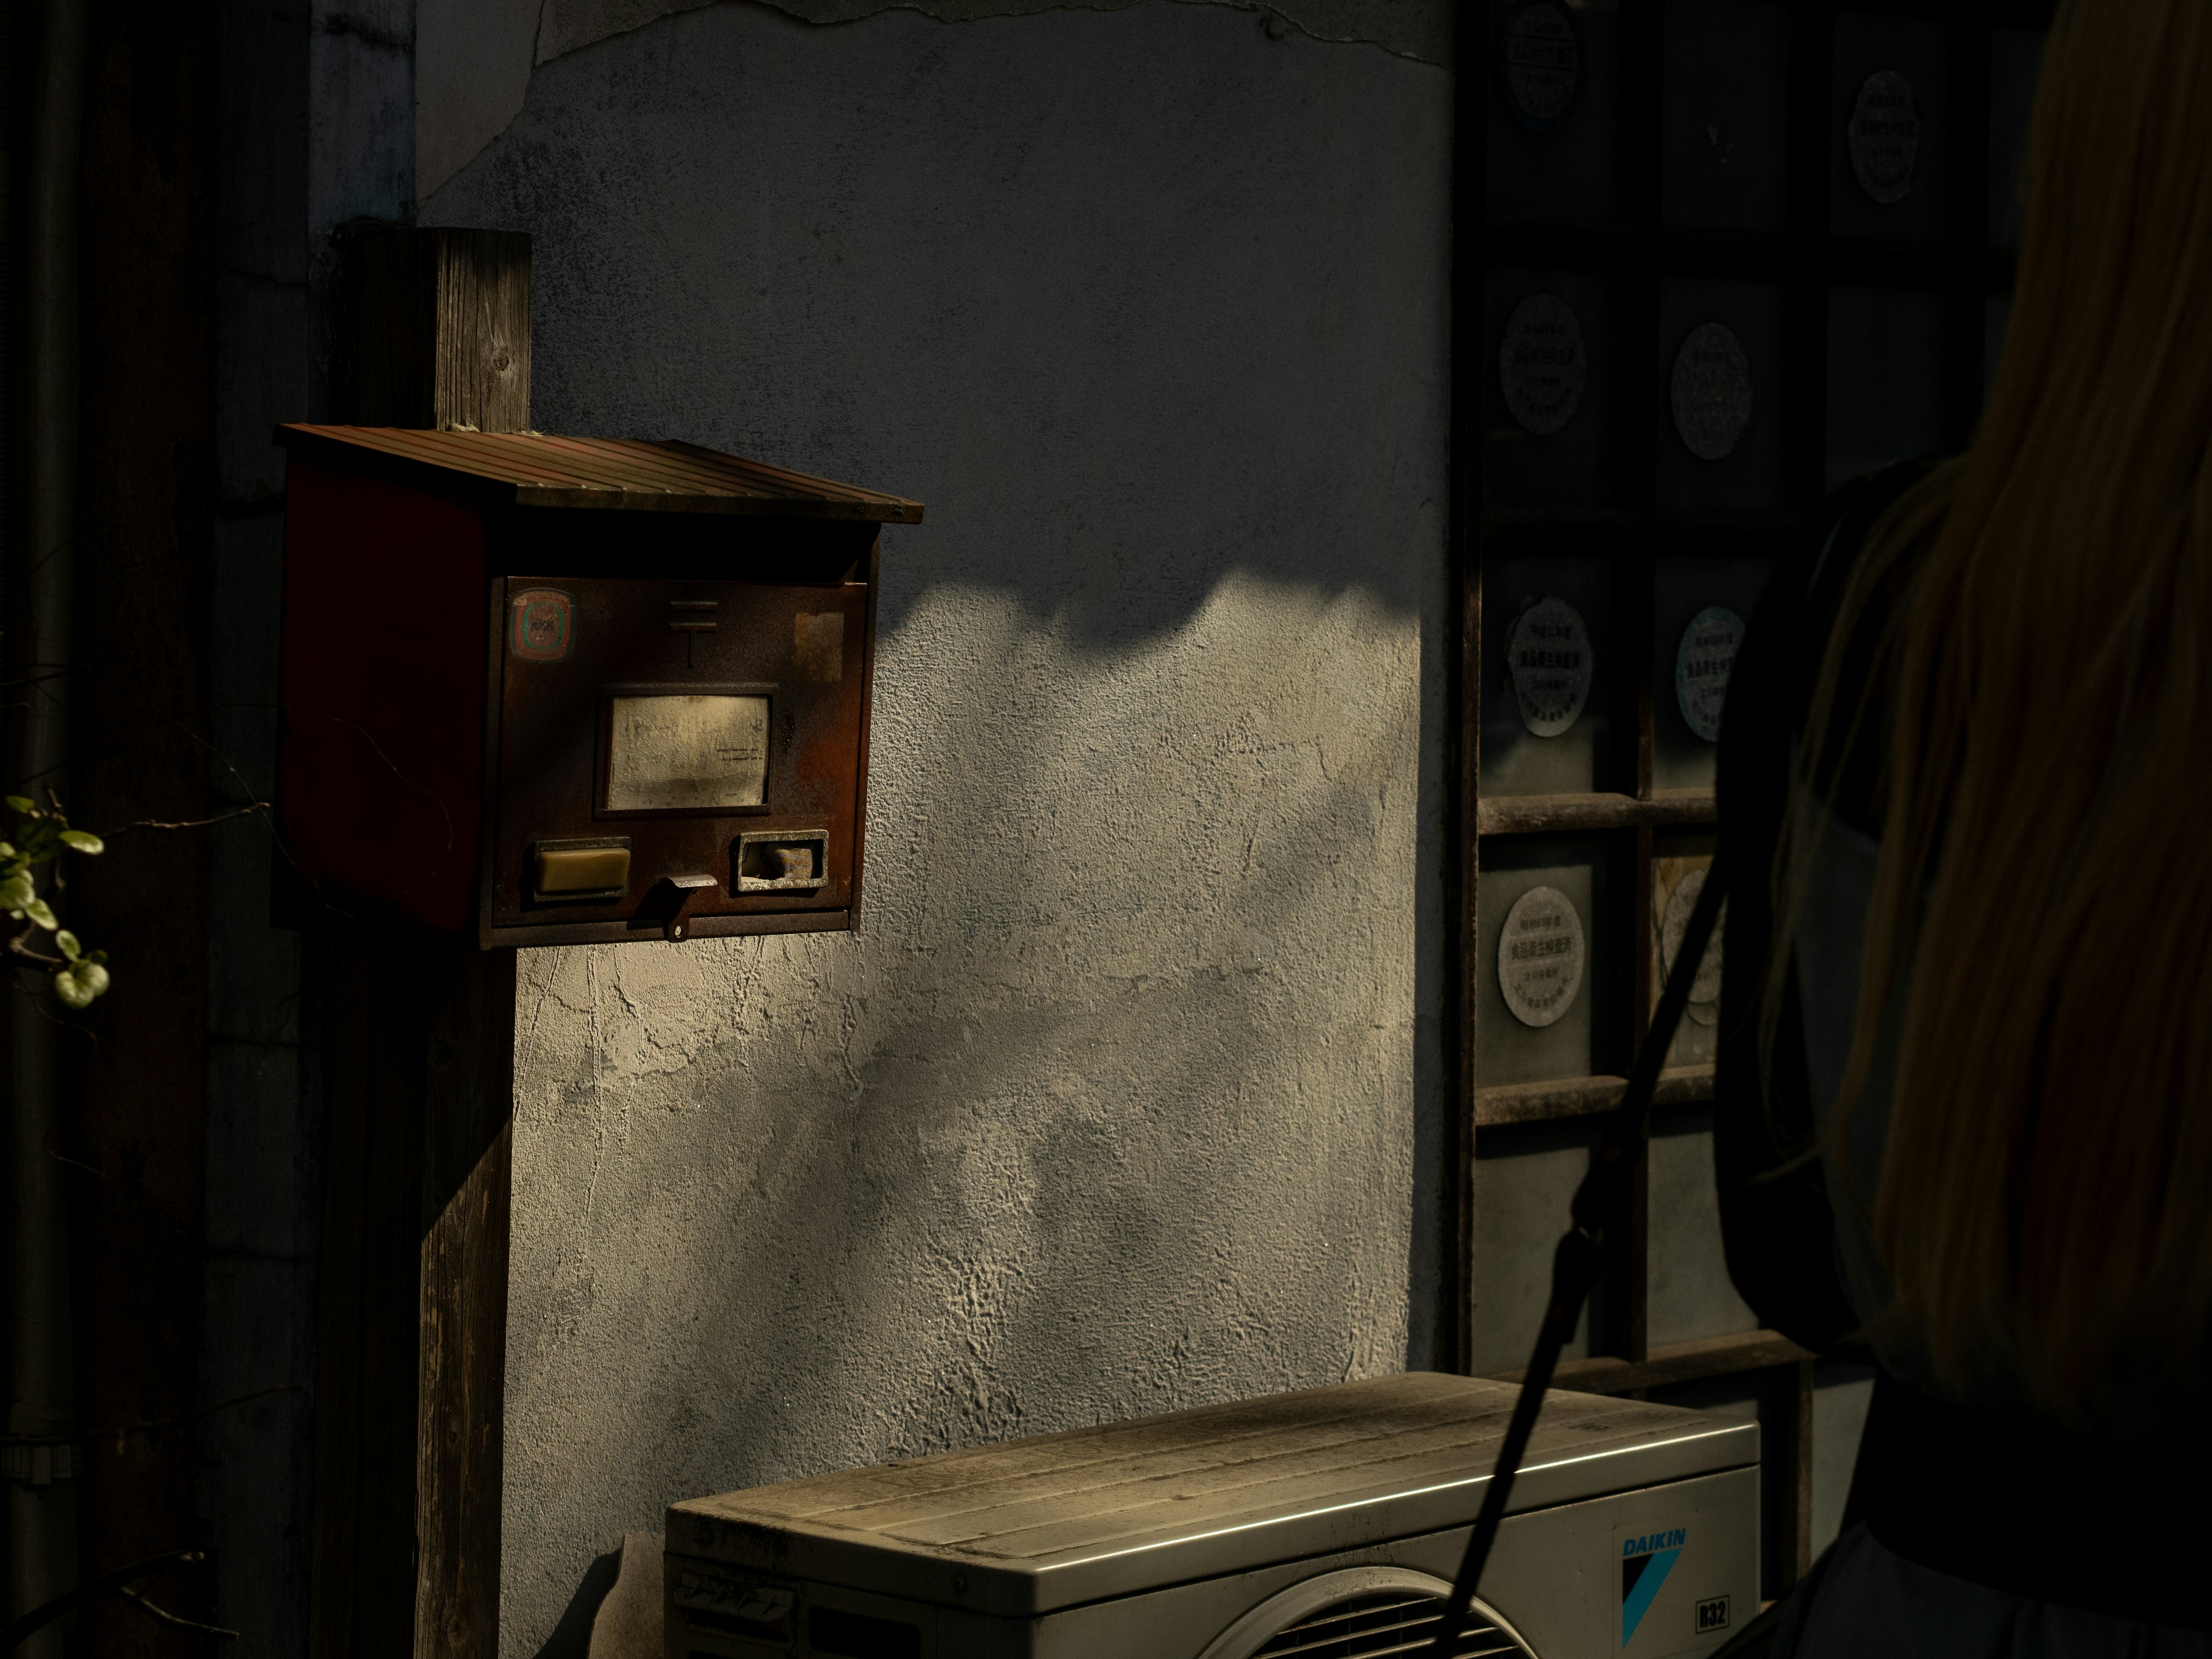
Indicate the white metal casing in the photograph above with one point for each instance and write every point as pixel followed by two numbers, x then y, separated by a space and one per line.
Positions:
pixel 1165 1537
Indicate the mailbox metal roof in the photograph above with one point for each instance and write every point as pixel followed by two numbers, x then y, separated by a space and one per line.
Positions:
pixel 1057 1520
pixel 535 468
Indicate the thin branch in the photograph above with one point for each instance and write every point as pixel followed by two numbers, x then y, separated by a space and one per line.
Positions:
pixel 139 1600
pixel 89 1169
pixel 252 809
pixel 39 1618
pixel 193 1417
pixel 154 1423
pixel 41 1005
pixel 19 947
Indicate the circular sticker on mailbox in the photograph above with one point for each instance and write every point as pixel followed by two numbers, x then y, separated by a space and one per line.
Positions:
pixel 1542 367
pixel 1547 651
pixel 541 625
pixel 1540 63
pixel 1711 391
pixel 1884 137
pixel 1703 662
pixel 1541 952
pixel 1705 988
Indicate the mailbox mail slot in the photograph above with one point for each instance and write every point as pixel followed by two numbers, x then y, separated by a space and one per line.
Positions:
pixel 563 690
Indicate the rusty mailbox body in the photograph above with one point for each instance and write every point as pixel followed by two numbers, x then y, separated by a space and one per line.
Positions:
pixel 562 690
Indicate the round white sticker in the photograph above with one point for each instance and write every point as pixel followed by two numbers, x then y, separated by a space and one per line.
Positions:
pixel 1539 956
pixel 1703 662
pixel 1705 988
pixel 1711 391
pixel 1542 366
pixel 1885 137
pixel 1548 652
pixel 1540 63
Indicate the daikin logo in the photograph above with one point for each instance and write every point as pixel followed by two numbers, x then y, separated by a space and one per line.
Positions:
pixel 1644 1564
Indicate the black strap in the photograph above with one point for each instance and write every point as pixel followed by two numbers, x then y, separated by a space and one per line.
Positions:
pixel 1601 1203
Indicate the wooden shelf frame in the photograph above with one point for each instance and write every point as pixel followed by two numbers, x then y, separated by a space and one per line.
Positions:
pixel 1672 1363
pixel 1631 534
pixel 1567 815
pixel 1583 1097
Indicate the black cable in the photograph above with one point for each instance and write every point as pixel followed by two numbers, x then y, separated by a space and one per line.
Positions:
pixel 39 1618
pixel 1601 1202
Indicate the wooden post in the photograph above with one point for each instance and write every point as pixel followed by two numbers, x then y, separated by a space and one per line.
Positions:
pixel 414 1042
pixel 1786 1476
pixel 440 321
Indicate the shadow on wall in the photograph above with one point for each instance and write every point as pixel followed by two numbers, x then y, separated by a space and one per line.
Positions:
pixel 1131 299
pixel 571 1637
pixel 1042 1147
pixel 1129 1096
pixel 617 1610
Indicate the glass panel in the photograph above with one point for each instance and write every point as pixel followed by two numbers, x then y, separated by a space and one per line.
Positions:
pixel 1841 1395
pixel 1532 605
pixel 1721 395
pixel 1700 604
pixel 1547 391
pixel 1677 875
pixel 1525 1176
pixel 1691 1294
pixel 1726 137
pixel 1548 928
pixel 1552 137
pixel 1890 140
pixel 1885 379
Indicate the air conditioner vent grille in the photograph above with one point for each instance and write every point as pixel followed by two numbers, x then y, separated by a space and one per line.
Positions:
pixel 1376 1626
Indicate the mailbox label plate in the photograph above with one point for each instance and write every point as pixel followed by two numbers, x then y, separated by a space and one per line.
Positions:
pixel 682 752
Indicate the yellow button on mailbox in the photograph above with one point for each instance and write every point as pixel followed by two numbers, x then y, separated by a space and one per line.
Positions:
pixel 574 872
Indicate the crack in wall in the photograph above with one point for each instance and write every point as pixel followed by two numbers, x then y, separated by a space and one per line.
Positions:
pixel 474 58
pixel 1418 29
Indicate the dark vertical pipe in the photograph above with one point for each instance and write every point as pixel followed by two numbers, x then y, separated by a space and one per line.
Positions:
pixel 1463 674
pixel 41 1514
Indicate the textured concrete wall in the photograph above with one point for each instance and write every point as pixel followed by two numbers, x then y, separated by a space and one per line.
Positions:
pixel 1128 1096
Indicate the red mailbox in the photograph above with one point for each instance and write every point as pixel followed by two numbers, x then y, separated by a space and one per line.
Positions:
pixel 565 690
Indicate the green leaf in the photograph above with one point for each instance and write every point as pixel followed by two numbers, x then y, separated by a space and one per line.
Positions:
pixel 83 840
pixel 65 942
pixel 6 851
pixel 24 805
pixel 42 913
pixel 79 984
pixel 17 894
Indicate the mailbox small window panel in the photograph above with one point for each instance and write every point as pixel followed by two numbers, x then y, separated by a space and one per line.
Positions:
pixel 562 690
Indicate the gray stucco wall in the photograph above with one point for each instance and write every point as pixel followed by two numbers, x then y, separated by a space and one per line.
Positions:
pixel 1129 1094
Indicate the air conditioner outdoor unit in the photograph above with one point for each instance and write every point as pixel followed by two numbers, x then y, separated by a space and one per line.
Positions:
pixel 1325 1523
